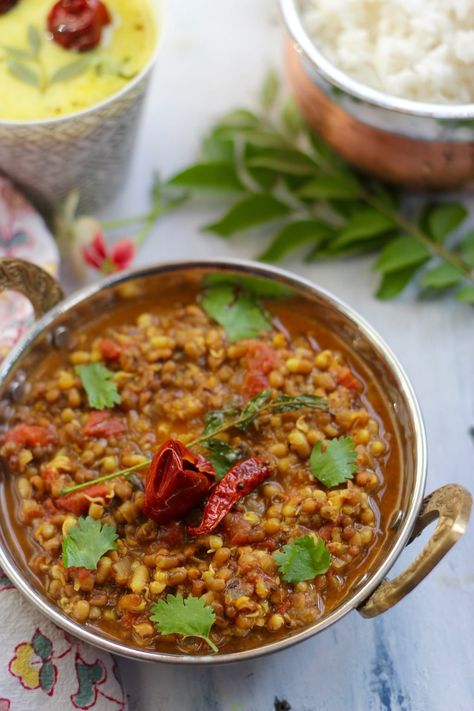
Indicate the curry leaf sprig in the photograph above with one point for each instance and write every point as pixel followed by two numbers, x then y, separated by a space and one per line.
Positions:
pixel 282 178
pixel 219 421
pixel 26 64
pixel 189 617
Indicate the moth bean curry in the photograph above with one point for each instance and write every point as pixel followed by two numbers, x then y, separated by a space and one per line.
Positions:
pixel 208 472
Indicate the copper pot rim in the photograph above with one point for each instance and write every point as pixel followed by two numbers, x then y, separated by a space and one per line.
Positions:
pixel 305 45
pixel 363 590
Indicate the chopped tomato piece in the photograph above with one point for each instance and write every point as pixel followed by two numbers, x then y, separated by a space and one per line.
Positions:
pixel 261 360
pixel 348 380
pixel 240 532
pixel 102 424
pixel 31 435
pixel 78 501
pixel 110 349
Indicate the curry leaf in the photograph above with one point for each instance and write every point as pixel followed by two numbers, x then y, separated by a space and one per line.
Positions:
pixel 253 407
pixel 336 463
pixel 289 162
pixel 270 89
pixel 262 287
pixel 393 283
pixel 97 382
pixel 295 235
pixel 290 403
pixel 240 314
pixel 215 419
pixel 466 294
pixel 291 118
pixel 330 187
pixel 222 456
pixel 23 72
pixel 400 253
pixel 18 53
pixel 249 212
pixel 70 71
pixel 443 219
pixel 363 225
pixel 467 248
pixel 34 39
pixel 302 559
pixel 189 617
pixel 442 277
pixel 87 542
pixel 215 175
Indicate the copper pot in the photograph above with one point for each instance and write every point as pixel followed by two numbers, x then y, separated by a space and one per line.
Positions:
pixel 373 594
pixel 411 143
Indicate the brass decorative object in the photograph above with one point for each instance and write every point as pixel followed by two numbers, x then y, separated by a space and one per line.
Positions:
pixel 452 505
pixel 32 281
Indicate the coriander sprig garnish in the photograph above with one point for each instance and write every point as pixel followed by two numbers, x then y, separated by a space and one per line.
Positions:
pixel 189 617
pixel 219 421
pixel 87 542
pixel 97 381
pixel 285 176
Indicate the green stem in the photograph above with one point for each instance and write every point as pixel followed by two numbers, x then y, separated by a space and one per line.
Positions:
pixel 124 222
pixel 434 247
pixel 107 477
pixel 210 643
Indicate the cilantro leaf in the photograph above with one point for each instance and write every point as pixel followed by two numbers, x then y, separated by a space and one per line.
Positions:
pixel 190 617
pixel 336 464
pixel 302 559
pixel 290 403
pixel 87 542
pixel 222 456
pixel 239 313
pixel 97 382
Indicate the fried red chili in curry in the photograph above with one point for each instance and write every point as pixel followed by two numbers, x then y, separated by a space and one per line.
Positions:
pixel 264 471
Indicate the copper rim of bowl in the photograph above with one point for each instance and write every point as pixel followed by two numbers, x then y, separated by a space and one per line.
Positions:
pixel 157 7
pixel 295 25
pixel 9 565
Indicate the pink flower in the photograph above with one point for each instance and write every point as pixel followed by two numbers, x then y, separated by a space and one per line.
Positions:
pixel 108 260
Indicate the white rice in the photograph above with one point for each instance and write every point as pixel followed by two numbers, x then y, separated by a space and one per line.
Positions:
pixel 416 49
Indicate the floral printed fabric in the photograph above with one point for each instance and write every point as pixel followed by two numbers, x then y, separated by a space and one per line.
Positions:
pixel 23 234
pixel 41 667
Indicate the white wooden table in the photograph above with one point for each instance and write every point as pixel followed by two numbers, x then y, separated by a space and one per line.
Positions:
pixel 420 655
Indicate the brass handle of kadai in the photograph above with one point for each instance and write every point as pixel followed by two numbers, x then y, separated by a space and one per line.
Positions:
pixel 451 504
pixel 42 290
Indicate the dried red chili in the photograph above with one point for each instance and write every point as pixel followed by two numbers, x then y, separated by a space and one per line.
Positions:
pixel 176 481
pixel 239 481
pixel 6 5
pixel 78 24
